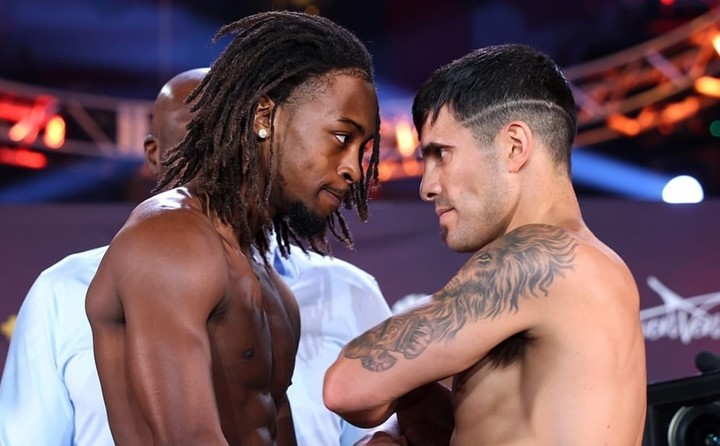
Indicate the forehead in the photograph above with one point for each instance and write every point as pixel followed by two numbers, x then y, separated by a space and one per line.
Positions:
pixel 340 96
pixel 443 130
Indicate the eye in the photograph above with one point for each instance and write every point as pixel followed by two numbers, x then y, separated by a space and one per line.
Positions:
pixel 342 138
pixel 441 154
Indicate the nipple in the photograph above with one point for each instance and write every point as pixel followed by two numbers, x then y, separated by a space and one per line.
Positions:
pixel 248 353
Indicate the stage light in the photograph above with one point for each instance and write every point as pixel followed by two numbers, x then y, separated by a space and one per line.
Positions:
pixel 715 128
pixel 716 43
pixel 29 120
pixel 406 140
pixel 22 131
pixel 683 189
pixel 22 158
pixel 709 86
pixel 624 125
pixel 54 136
pixel 679 111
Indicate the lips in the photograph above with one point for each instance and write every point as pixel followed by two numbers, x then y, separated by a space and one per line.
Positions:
pixel 336 195
pixel 441 211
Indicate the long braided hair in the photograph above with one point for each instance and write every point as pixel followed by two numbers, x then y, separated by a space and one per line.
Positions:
pixel 271 55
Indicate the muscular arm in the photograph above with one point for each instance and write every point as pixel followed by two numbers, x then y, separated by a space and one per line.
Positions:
pixel 494 296
pixel 169 276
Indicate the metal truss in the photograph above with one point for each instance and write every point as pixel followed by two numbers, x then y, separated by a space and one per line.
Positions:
pixel 622 95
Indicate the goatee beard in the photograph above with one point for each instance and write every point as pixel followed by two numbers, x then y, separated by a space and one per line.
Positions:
pixel 306 223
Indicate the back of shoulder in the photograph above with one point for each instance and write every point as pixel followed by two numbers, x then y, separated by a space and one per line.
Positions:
pixel 78 266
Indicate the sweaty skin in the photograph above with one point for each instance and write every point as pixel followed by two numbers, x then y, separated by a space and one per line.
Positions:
pixel 539 330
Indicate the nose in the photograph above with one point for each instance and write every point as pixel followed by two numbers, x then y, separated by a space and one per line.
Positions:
pixel 349 168
pixel 429 185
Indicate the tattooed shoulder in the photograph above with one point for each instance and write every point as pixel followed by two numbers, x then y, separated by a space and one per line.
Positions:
pixel 523 263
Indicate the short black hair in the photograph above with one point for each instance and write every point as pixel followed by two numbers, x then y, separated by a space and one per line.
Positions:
pixel 493 85
pixel 271 55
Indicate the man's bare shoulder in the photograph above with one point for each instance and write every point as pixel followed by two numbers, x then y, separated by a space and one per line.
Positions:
pixel 168 238
pixel 525 262
pixel 537 265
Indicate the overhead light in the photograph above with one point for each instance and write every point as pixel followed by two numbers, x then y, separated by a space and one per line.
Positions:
pixel 54 136
pixel 708 85
pixel 683 189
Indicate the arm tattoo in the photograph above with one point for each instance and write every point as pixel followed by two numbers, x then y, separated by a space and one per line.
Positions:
pixel 522 263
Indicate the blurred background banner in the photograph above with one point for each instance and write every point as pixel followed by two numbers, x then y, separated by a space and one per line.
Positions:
pixel 671 249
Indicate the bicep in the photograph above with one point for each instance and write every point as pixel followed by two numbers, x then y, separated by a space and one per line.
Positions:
pixel 440 338
pixel 166 304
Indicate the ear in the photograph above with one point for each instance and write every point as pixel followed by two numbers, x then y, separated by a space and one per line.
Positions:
pixel 518 140
pixel 152 154
pixel 263 113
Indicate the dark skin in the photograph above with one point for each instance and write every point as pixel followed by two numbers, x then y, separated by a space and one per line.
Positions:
pixel 195 338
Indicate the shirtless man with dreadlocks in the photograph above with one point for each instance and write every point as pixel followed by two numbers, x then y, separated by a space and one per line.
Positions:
pixel 194 333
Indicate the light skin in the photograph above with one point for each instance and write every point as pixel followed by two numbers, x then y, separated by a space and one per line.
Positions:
pixel 539 329
pixel 194 337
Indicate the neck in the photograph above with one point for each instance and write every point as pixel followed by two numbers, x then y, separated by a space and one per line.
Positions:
pixel 548 197
pixel 225 230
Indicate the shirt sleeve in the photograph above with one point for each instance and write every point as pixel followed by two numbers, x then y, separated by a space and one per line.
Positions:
pixel 374 309
pixel 34 405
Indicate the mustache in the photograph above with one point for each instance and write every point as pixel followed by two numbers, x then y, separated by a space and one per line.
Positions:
pixel 340 193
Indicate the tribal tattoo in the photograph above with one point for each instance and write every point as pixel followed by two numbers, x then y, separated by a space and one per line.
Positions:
pixel 523 263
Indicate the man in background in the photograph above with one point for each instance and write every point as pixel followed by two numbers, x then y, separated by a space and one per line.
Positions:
pixel 50 378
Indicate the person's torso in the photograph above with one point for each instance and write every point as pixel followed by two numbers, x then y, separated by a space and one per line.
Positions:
pixel 252 333
pixel 576 378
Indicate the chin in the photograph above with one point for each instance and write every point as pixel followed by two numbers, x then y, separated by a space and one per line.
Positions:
pixel 459 247
pixel 305 221
pixel 455 244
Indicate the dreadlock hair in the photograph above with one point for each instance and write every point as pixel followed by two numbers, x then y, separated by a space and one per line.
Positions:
pixel 272 54
pixel 492 86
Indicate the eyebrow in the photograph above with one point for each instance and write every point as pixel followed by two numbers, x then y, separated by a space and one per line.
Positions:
pixel 432 148
pixel 359 127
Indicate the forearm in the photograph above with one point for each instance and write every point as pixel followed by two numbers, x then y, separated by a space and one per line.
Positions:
pixel 354 401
